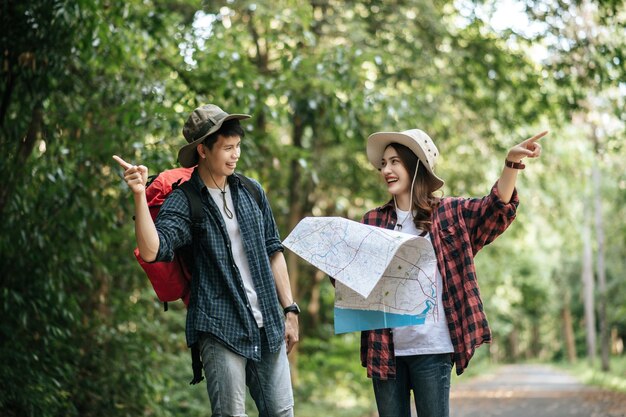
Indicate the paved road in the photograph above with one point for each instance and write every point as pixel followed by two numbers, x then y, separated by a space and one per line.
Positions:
pixel 532 391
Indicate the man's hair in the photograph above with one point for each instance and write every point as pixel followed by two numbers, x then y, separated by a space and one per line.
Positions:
pixel 423 199
pixel 228 129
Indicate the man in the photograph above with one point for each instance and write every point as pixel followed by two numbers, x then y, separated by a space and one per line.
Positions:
pixel 240 278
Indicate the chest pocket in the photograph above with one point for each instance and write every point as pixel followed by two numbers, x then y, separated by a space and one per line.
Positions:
pixel 452 242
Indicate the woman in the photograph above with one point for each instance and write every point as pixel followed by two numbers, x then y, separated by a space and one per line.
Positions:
pixel 420 358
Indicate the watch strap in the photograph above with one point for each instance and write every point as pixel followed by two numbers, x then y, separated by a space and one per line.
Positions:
pixel 293 308
pixel 514 165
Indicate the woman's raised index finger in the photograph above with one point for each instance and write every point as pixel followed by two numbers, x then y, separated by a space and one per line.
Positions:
pixel 538 136
pixel 122 163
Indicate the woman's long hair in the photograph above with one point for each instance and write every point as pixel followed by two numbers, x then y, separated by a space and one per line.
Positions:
pixel 424 202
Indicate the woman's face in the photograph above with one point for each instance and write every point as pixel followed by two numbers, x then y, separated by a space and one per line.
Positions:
pixel 395 173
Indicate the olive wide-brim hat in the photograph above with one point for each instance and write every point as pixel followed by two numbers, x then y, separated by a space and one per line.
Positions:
pixel 202 122
pixel 416 140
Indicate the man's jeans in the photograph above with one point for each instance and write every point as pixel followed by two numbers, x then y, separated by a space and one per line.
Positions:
pixel 227 375
pixel 429 378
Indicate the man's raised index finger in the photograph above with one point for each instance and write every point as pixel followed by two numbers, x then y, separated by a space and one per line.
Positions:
pixel 122 163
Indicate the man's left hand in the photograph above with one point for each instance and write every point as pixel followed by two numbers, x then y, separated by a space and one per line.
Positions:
pixel 291 331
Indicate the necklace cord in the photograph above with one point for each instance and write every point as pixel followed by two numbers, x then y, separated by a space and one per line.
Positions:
pixel 228 212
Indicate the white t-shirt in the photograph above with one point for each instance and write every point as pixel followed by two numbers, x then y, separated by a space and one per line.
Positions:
pixel 430 337
pixel 241 259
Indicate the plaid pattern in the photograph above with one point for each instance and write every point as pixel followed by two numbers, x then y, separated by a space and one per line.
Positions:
pixel 461 227
pixel 218 303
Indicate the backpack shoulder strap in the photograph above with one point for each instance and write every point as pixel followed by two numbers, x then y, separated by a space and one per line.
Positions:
pixel 252 189
pixel 195 203
pixel 196 217
pixel 195 210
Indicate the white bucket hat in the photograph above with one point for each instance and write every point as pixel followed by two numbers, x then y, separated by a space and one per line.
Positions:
pixel 415 139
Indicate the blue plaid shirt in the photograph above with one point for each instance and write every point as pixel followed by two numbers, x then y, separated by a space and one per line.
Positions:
pixel 218 303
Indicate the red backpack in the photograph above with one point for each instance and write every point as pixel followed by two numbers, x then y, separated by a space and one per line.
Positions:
pixel 171 280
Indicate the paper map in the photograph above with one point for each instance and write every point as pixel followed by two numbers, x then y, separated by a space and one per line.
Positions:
pixel 384 278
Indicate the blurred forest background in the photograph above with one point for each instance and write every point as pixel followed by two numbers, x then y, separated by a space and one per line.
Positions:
pixel 82 333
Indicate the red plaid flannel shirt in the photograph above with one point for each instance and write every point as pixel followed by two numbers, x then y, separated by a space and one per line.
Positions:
pixel 460 228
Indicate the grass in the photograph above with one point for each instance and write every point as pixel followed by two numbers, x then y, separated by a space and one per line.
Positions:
pixel 331 380
pixel 614 379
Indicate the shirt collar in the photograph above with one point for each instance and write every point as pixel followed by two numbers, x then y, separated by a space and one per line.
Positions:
pixel 233 180
pixel 387 206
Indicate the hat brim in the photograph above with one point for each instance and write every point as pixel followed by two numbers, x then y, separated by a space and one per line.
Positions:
pixel 188 155
pixel 378 142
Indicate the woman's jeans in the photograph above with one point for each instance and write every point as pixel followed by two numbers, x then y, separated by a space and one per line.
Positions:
pixel 227 375
pixel 429 378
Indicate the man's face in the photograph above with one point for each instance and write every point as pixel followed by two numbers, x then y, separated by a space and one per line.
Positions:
pixel 222 158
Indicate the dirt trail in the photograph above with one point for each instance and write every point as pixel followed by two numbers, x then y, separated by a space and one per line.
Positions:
pixel 532 391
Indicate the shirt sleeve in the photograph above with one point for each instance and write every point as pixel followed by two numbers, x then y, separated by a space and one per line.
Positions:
pixel 488 217
pixel 272 237
pixel 173 226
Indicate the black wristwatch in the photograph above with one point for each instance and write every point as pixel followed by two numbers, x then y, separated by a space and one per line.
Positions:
pixel 292 309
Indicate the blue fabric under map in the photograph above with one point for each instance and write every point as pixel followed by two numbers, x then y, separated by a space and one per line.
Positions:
pixel 352 320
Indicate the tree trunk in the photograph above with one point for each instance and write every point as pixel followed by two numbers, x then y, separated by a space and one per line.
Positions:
pixel 514 345
pixel 568 329
pixel 587 278
pixel 617 344
pixel 535 337
pixel 295 215
pixel 314 302
pixel 605 340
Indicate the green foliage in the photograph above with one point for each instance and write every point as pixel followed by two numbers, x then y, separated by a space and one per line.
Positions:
pixel 65 306
pixel 332 378
pixel 81 333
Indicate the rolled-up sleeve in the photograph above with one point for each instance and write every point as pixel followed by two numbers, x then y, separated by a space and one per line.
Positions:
pixel 272 237
pixel 488 217
pixel 508 209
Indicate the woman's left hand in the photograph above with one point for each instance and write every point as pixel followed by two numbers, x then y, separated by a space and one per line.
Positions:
pixel 530 148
